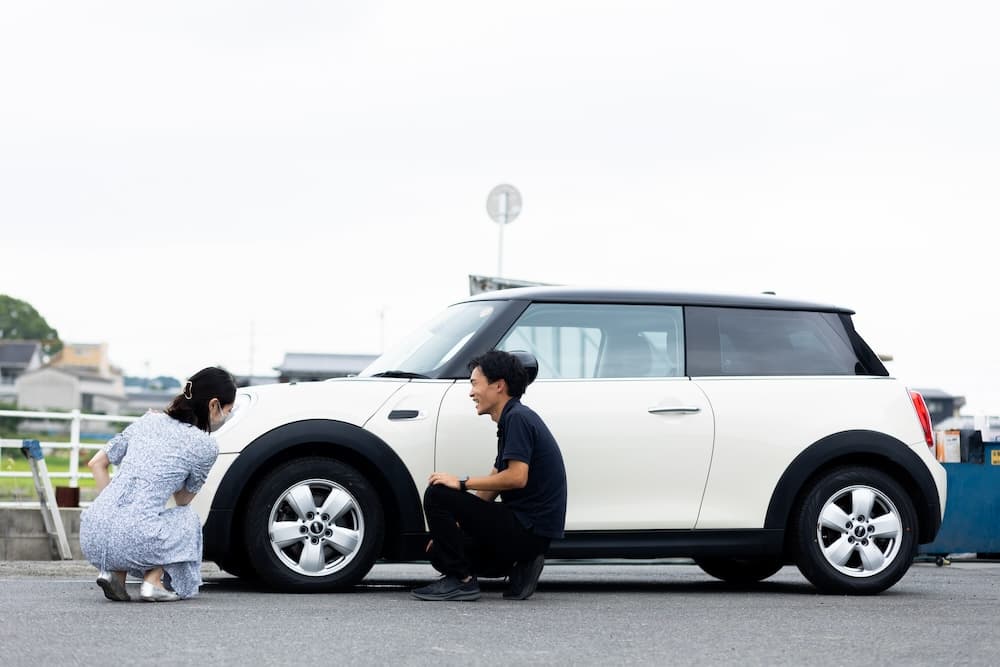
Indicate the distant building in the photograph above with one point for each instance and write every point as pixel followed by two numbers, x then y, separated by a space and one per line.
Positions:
pixel 255 380
pixel 79 377
pixel 159 383
pixel 941 404
pixel 139 400
pixel 311 366
pixel 90 357
pixel 17 357
pixel 69 388
pixel 143 393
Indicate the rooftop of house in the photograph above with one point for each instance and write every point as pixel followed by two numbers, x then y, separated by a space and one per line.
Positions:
pixel 78 372
pixel 18 353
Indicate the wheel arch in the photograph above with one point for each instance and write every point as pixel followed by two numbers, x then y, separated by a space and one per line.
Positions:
pixel 348 443
pixel 858 448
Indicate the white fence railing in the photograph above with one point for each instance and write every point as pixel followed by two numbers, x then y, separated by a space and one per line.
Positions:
pixel 74 417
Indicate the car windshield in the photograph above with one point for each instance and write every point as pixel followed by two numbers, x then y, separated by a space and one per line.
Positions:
pixel 434 344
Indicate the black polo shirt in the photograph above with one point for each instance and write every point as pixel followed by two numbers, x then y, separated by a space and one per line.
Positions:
pixel 523 436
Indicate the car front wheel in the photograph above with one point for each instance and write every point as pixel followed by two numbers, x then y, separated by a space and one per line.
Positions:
pixel 855 532
pixel 314 524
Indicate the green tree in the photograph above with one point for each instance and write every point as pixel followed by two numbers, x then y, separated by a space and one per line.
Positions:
pixel 20 321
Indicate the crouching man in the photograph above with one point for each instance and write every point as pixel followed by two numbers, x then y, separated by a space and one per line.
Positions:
pixel 473 535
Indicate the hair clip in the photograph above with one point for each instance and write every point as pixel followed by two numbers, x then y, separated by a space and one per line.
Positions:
pixel 188 387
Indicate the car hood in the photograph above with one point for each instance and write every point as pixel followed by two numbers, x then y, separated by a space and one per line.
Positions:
pixel 266 407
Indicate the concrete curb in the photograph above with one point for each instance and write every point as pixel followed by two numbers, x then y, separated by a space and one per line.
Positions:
pixel 23 536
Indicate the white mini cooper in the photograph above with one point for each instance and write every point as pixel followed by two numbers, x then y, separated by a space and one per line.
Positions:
pixel 743 432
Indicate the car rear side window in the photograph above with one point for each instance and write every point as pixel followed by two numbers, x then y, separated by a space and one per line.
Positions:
pixel 746 341
pixel 575 341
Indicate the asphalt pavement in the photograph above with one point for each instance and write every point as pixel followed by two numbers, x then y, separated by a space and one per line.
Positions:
pixel 615 612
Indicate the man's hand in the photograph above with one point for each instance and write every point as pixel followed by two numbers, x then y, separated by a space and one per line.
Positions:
pixel 444 479
pixel 515 476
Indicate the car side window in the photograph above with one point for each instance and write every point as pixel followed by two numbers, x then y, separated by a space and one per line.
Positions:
pixel 747 341
pixel 579 341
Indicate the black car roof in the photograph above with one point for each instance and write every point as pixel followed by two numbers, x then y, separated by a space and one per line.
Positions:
pixel 652 297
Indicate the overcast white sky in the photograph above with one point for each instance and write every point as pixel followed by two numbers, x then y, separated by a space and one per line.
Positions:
pixel 214 182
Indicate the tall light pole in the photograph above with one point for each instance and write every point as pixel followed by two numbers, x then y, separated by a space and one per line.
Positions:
pixel 503 205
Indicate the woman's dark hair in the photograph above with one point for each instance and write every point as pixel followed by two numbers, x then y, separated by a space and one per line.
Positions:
pixel 191 405
pixel 499 365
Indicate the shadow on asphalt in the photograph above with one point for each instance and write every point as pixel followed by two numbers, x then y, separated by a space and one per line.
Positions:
pixel 395 586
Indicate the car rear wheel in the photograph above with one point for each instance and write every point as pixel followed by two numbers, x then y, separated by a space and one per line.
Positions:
pixel 740 570
pixel 312 525
pixel 855 532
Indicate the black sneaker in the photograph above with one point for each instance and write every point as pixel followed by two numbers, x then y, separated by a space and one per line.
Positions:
pixel 449 588
pixel 524 578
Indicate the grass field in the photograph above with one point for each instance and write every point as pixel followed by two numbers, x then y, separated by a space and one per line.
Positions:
pixel 23 488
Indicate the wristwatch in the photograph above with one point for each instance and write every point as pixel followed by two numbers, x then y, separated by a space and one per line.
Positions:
pixel 462 482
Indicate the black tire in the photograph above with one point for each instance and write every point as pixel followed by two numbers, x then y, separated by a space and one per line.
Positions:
pixel 294 545
pixel 867 540
pixel 238 565
pixel 740 570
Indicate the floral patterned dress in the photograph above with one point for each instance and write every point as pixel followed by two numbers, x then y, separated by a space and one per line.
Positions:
pixel 128 527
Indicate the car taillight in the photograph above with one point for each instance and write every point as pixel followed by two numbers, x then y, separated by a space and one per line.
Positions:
pixel 923 415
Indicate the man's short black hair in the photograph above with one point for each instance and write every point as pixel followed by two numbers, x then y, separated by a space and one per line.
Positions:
pixel 500 365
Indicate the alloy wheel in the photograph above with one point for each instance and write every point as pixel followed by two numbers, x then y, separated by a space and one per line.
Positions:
pixel 316 527
pixel 859 531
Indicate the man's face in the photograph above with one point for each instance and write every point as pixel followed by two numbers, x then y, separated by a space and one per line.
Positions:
pixel 484 394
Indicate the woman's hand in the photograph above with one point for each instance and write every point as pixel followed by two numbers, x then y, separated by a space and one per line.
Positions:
pixel 98 465
pixel 183 497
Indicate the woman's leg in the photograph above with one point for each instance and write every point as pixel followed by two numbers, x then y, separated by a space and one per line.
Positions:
pixel 152 589
pixel 154 577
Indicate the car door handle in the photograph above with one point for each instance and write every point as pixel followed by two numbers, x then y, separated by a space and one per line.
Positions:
pixel 397 415
pixel 681 409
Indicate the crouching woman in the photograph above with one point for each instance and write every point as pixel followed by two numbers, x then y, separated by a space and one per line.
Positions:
pixel 128 528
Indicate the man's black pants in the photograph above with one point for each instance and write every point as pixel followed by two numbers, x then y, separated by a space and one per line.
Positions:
pixel 472 536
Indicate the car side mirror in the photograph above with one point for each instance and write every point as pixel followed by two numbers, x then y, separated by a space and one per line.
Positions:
pixel 529 362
